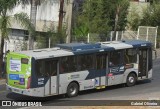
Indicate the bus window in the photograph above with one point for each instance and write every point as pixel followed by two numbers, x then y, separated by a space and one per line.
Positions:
pixel 130 56
pixel 40 68
pixel 68 64
pixel 84 62
pixel 101 61
pixel 53 67
pixel 50 68
pixel 115 58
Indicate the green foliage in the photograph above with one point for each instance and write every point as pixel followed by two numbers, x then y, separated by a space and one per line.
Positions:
pixel 4 26
pixel 42 38
pixel 98 16
pixel 113 7
pixel 81 32
pixel 23 19
pixel 92 18
pixel 5 5
pixel 151 16
pixel 133 19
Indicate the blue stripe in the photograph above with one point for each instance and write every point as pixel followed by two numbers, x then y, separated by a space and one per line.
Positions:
pixel 138 43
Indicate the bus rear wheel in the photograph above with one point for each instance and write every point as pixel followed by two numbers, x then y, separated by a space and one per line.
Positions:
pixel 131 80
pixel 72 89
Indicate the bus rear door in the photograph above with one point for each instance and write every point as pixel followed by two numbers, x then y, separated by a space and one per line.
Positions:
pixel 50 72
pixel 100 74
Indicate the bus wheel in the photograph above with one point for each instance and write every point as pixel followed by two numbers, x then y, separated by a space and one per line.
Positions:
pixel 131 80
pixel 72 89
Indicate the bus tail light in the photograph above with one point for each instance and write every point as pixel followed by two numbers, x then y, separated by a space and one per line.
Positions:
pixel 110 74
pixel 29 82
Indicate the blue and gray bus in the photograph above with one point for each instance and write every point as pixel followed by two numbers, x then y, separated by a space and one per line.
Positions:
pixel 70 68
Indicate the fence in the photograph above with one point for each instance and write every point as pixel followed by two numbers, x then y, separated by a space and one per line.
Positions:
pixel 148 34
pixel 143 33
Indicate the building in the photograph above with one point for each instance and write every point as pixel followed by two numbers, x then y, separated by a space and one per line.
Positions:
pixel 47 18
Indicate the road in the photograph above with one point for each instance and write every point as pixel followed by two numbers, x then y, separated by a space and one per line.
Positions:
pixel 144 90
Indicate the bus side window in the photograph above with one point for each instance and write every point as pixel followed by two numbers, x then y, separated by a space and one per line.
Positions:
pixel 130 56
pixel 53 67
pixel 84 62
pixel 40 68
pixel 47 68
pixel 68 64
pixel 50 68
pixel 101 61
pixel 115 58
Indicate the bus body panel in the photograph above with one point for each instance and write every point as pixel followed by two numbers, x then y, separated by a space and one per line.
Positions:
pixel 18 70
pixel 36 92
pixel 50 87
pixel 84 79
pixel 128 71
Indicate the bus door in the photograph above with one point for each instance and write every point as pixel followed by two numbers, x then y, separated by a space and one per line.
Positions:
pixel 116 67
pixel 143 62
pixel 51 72
pixel 100 73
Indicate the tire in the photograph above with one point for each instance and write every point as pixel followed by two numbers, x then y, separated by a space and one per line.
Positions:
pixel 72 89
pixel 131 80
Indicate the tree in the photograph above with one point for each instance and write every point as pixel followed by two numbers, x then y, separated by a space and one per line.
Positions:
pixel 116 11
pixel 91 19
pixel 120 7
pixel 151 16
pixel 134 18
pixel 33 13
pixel 5 21
pixel 101 16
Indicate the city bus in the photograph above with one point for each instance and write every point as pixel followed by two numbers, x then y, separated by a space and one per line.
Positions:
pixel 73 67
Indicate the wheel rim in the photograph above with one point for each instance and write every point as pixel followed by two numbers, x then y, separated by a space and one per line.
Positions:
pixel 131 79
pixel 72 90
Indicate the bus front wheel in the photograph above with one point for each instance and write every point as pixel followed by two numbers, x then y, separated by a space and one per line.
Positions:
pixel 72 89
pixel 131 79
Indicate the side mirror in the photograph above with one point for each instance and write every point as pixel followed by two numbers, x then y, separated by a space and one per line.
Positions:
pixel 154 54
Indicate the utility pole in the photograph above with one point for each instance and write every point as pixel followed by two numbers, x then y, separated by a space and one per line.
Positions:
pixel 69 25
pixel 60 16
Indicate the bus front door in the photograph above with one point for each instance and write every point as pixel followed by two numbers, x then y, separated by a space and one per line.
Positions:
pixel 51 87
pixel 116 68
pixel 143 62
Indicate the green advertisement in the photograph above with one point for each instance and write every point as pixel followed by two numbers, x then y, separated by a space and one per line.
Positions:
pixel 18 70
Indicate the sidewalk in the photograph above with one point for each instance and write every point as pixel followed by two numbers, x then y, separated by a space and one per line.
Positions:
pixel 2 81
pixel 158 52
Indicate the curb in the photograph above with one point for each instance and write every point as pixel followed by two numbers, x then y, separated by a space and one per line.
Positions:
pixel 2 81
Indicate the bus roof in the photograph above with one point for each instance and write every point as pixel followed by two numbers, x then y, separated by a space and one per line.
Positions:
pixel 84 48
